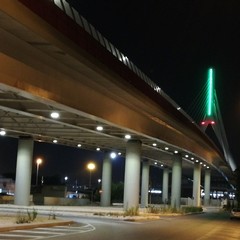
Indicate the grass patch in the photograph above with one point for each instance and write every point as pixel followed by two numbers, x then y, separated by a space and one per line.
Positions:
pixel 133 211
pixel 113 214
pixel 167 209
pixel 157 210
pixel 191 209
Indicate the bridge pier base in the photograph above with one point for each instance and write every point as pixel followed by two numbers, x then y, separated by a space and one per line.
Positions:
pixel 196 185
pixel 207 183
pixel 23 171
pixel 106 181
pixel 176 181
pixel 132 174
pixel 165 185
pixel 145 184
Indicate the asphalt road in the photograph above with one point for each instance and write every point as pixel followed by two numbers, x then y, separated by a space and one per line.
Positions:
pixel 212 226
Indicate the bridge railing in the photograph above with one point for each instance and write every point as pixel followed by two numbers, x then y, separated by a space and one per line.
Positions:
pixel 80 20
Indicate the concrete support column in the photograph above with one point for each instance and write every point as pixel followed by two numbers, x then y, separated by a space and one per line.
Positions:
pixel 165 185
pixel 106 180
pixel 207 183
pixel 23 171
pixel 145 184
pixel 132 174
pixel 176 181
pixel 196 185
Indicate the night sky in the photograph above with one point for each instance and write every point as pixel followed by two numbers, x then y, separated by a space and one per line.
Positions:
pixel 58 161
pixel 174 42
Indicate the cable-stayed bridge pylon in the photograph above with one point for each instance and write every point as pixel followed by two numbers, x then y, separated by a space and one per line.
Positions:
pixel 209 115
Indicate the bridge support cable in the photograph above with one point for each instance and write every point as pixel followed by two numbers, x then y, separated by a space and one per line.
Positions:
pixel 197 107
pixel 221 135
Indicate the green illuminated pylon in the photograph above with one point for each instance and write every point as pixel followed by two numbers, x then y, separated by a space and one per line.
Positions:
pixel 210 92
pixel 209 115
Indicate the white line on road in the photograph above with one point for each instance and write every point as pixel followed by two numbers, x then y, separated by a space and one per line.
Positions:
pixel 37 232
pixel 53 232
pixel 18 236
pixel 83 229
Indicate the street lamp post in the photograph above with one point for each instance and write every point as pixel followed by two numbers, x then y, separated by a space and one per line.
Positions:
pixel 91 166
pixel 39 161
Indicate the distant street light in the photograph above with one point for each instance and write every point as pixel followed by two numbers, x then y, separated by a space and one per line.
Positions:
pixel 91 166
pixel 39 161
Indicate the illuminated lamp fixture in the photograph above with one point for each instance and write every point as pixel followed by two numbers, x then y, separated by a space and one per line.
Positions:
pixel 98 149
pixel 192 158
pixel 175 151
pixel 54 115
pixel 166 148
pixel 155 163
pixel 197 160
pixel 207 166
pixel 208 122
pixel 178 108
pixel 113 155
pixel 127 136
pixel 186 156
pixel 2 132
pixel 201 163
pixel 161 165
pixel 99 128
pixel 79 145
pixel 154 144
pixel 119 153
pixel 125 58
pixel 55 141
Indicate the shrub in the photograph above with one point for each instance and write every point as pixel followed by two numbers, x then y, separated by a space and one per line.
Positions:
pixel 22 218
pixel 52 215
pixel 26 218
pixel 153 209
pixel 133 211
pixel 191 209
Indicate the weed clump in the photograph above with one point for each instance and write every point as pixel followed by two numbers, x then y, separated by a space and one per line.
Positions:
pixel 133 211
pixel 26 217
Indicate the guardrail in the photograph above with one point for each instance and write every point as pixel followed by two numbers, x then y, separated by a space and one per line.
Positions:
pixel 90 29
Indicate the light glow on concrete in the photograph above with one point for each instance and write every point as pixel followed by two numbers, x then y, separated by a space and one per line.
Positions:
pixel 2 132
pixel 127 136
pixel 55 115
pixel 99 128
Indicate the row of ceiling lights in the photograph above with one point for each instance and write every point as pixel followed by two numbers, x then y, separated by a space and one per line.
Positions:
pixel 56 115
pixel 186 156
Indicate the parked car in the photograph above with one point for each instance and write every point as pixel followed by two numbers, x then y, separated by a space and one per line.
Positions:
pixel 235 213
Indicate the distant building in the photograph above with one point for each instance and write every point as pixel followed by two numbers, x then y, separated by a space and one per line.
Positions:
pixel 7 186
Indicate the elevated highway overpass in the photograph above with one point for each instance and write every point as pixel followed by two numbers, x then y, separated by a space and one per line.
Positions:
pixel 50 62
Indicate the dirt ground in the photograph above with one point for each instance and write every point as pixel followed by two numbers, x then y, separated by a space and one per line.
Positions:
pixel 13 218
